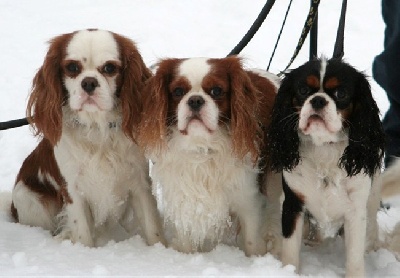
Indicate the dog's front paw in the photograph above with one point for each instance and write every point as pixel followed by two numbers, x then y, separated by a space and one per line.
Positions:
pixel 156 237
pixel 183 246
pixel 68 235
pixel 255 248
pixel 274 244
pixel 63 235
pixel 159 238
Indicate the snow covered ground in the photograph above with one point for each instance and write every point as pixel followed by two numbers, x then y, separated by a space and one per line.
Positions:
pixel 176 28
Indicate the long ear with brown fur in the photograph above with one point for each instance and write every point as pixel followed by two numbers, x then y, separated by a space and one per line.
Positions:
pixel 134 75
pixel 153 128
pixel 48 95
pixel 245 129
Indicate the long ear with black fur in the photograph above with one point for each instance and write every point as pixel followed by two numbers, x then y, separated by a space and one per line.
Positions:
pixel 282 136
pixel 366 136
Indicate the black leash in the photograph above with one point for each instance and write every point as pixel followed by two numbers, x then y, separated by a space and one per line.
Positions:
pixel 306 29
pixel 280 33
pixel 253 29
pixel 338 51
pixel 312 24
pixel 313 51
pixel 13 123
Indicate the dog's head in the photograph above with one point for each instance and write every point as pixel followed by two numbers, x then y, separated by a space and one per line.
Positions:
pixel 93 77
pixel 199 96
pixel 326 101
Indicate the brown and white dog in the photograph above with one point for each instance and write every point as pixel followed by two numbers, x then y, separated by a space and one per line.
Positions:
pixel 203 127
pixel 87 180
pixel 326 137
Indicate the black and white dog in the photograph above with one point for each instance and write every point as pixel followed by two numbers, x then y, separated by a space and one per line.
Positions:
pixel 326 137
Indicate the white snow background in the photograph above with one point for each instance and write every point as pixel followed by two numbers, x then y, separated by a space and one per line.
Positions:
pixel 178 28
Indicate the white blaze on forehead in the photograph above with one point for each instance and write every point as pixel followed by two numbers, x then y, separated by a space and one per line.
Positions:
pixel 194 69
pixel 93 47
pixel 324 64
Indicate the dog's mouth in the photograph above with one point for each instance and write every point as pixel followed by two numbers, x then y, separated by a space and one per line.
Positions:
pixel 89 101
pixel 195 122
pixel 90 105
pixel 314 120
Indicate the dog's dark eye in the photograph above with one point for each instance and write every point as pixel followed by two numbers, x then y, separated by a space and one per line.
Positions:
pixel 178 92
pixel 216 92
pixel 340 94
pixel 303 92
pixel 109 68
pixel 72 67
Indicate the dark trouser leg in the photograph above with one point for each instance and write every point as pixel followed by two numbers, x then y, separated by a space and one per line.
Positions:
pixel 386 72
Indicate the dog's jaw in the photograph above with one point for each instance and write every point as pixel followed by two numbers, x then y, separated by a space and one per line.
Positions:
pixel 321 124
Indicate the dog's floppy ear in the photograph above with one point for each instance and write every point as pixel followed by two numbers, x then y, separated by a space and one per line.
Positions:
pixel 134 74
pixel 282 136
pixel 153 127
pixel 48 94
pixel 366 136
pixel 245 100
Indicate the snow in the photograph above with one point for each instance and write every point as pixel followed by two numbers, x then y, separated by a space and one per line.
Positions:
pixel 176 28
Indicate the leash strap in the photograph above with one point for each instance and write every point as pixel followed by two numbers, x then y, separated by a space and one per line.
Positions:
pixel 13 123
pixel 253 29
pixel 313 39
pixel 280 33
pixel 312 13
pixel 338 51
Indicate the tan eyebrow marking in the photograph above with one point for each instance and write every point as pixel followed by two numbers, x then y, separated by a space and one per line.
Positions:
pixel 332 83
pixel 312 81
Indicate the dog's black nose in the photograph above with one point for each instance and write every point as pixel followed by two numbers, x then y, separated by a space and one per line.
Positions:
pixel 196 102
pixel 89 84
pixel 318 102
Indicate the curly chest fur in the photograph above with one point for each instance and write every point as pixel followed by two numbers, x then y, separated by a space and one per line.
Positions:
pixel 103 173
pixel 199 187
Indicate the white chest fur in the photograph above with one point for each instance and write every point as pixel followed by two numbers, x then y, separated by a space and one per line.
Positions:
pixel 102 171
pixel 200 183
pixel 329 194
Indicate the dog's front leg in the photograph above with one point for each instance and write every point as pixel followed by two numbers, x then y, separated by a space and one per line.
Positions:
pixel 145 207
pixel 373 205
pixel 77 222
pixel 251 223
pixel 273 223
pixel 292 227
pixel 291 244
pixel 355 227
pixel 249 205
pixel 355 232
